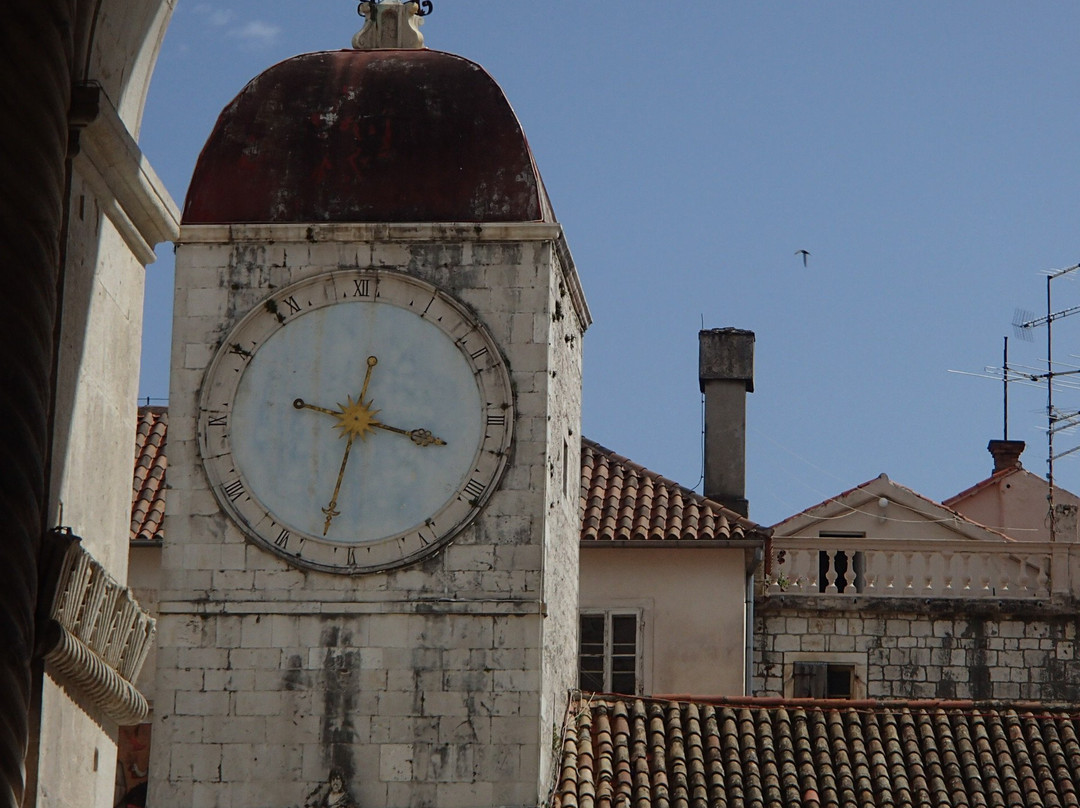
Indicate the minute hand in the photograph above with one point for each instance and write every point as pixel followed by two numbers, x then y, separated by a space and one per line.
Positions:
pixel 421 437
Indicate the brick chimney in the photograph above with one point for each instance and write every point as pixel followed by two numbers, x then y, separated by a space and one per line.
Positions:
pixel 726 374
pixel 1006 453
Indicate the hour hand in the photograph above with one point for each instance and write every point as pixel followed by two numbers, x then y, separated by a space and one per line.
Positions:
pixel 421 437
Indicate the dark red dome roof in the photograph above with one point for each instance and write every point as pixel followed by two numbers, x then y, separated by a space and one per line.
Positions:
pixel 368 136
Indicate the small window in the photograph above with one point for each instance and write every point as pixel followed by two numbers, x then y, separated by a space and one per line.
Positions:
pixel 608 660
pixel 823 680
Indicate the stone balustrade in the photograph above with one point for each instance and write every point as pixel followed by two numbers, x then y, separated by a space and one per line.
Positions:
pixel 100 637
pixel 920 569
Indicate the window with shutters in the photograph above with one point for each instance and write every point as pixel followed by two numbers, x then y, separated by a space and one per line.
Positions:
pixel 609 657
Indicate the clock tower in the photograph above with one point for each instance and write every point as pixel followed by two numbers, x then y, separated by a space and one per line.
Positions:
pixel 369 586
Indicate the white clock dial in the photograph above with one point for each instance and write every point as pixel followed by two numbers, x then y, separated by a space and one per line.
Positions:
pixel 356 421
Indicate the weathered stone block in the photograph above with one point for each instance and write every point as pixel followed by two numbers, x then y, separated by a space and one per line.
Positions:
pixel 396 762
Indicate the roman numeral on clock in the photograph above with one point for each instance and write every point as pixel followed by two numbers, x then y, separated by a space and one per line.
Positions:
pixel 477 354
pixel 362 288
pixel 292 304
pixel 234 490
pixel 424 539
pixel 473 489
pixel 217 420
pixel 283 538
pixel 496 419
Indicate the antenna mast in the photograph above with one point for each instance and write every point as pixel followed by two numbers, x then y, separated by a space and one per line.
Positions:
pixel 1055 421
pixel 1005 390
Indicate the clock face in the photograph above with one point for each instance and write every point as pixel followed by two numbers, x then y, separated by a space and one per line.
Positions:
pixel 356 421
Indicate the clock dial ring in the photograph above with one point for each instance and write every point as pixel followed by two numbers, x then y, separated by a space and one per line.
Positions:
pixel 404 424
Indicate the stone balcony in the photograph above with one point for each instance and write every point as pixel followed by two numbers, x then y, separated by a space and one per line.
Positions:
pixel 893 568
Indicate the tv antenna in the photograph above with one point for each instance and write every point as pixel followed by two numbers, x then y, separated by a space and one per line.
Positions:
pixel 1056 420
pixel 1066 378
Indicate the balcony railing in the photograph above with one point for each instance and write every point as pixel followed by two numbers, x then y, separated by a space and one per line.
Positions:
pixel 920 569
pixel 99 637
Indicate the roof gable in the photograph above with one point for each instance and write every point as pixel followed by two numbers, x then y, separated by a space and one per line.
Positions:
pixel 993 479
pixel 880 507
pixel 1015 502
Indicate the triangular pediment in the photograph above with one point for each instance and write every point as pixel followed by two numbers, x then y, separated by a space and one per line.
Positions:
pixel 882 508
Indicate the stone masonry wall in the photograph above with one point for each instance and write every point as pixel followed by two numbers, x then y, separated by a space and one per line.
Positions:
pixel 940 649
pixel 562 508
pixel 422 685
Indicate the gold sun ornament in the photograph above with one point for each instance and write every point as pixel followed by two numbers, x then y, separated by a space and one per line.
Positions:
pixel 356 418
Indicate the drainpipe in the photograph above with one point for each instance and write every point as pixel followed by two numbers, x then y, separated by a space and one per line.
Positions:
pixel 748 653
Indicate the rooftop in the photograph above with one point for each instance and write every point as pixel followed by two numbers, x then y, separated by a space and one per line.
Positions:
pixel 148 483
pixel 620 752
pixel 622 501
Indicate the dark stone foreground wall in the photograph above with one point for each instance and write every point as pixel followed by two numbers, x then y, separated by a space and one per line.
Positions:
pixel 36 47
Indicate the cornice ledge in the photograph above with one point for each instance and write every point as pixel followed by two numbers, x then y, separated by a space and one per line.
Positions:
pixel 368 231
pixel 130 192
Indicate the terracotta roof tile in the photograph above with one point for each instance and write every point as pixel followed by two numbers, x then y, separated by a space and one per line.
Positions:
pixel 622 501
pixel 148 483
pixel 770 753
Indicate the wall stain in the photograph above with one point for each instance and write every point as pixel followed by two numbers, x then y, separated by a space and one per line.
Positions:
pixel 339 681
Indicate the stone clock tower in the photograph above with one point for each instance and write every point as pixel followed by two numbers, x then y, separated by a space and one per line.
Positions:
pixel 369 588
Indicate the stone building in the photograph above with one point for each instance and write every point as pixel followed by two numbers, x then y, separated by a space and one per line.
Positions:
pixel 882 593
pixel 370 580
pixel 82 210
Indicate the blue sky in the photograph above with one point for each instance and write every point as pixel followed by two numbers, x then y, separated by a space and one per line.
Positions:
pixel 924 153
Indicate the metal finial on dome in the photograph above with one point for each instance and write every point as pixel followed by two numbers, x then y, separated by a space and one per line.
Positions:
pixel 391 24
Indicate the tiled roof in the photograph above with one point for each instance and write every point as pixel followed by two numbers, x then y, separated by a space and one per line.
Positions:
pixel 622 501
pixel 634 753
pixel 148 483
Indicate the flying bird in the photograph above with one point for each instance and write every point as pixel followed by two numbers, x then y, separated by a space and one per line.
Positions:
pixel 804 255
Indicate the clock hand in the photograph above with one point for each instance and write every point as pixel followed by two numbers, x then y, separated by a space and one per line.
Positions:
pixel 331 509
pixel 354 418
pixel 300 404
pixel 372 361
pixel 421 437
